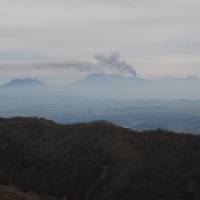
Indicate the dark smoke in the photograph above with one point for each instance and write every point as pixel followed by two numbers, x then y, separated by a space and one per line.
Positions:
pixel 114 61
pixel 104 64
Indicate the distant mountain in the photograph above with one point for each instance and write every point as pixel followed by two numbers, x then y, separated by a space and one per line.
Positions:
pixel 101 85
pixel 24 83
pixel 97 161
pixel 188 78
pixel 107 76
pixel 111 79
pixel 106 86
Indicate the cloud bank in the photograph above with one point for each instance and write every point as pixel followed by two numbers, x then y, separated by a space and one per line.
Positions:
pixel 150 33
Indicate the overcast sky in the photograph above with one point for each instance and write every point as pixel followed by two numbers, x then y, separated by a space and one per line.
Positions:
pixel 156 37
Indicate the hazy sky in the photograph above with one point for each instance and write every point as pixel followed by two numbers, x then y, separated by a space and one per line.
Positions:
pixel 157 37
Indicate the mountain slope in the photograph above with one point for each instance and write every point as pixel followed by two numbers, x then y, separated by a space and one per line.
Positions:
pixel 24 84
pixel 98 161
pixel 121 87
pixel 12 193
pixel 100 85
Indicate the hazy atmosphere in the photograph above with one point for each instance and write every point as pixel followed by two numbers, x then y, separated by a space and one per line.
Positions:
pixel 59 41
pixel 99 99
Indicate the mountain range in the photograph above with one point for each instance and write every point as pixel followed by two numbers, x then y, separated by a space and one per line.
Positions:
pixel 112 86
pixel 122 87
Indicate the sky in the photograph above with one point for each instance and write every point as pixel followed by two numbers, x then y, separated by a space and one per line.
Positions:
pixel 59 40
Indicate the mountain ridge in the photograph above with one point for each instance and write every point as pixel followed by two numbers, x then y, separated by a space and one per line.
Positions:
pixel 114 86
pixel 98 161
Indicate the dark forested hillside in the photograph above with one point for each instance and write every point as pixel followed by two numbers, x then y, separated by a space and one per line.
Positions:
pixel 10 193
pixel 98 161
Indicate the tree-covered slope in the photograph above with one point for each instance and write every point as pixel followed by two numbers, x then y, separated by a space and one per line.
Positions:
pixel 98 161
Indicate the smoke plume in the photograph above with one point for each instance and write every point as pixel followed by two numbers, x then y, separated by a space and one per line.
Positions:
pixel 101 64
pixel 113 61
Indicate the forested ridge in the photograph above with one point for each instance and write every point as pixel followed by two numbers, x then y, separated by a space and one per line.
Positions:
pixel 95 161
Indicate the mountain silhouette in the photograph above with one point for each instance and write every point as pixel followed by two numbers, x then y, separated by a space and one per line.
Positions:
pixel 113 86
pixel 102 85
pixel 98 161
pixel 24 83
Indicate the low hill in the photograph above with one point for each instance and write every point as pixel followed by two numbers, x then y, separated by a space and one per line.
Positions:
pixel 98 161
